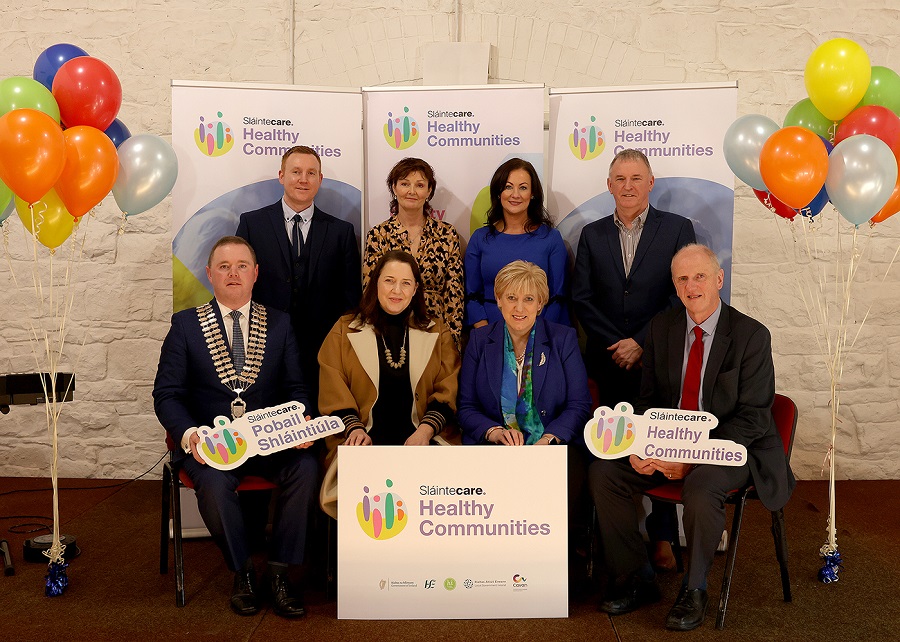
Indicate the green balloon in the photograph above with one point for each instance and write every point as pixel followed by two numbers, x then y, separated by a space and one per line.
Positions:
pixel 5 198
pixel 18 92
pixel 884 90
pixel 804 114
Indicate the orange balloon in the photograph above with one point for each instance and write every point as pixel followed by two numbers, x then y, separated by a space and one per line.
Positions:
pixel 47 219
pixel 32 152
pixel 90 170
pixel 891 207
pixel 793 163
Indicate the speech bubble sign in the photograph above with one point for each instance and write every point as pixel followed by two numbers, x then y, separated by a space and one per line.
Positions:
pixel 660 433
pixel 228 444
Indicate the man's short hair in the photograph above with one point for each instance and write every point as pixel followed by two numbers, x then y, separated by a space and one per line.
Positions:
pixel 706 250
pixel 631 155
pixel 230 240
pixel 300 149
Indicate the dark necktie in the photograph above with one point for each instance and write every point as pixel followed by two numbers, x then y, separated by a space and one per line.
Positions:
pixel 297 236
pixel 237 341
pixel 690 393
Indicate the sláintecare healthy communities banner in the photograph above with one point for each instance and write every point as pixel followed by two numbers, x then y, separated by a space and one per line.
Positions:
pixel 465 133
pixel 229 139
pixel 679 127
pixel 466 532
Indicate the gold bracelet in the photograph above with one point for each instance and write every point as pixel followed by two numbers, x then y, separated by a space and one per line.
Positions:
pixel 487 435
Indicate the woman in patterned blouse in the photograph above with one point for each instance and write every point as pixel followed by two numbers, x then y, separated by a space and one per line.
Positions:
pixel 433 243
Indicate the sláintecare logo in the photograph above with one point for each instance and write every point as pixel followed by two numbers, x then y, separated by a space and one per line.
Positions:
pixel 401 132
pixel 586 141
pixel 214 138
pixel 613 431
pixel 382 515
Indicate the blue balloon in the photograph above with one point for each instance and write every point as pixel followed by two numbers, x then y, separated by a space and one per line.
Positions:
pixel 817 204
pixel 51 59
pixel 118 133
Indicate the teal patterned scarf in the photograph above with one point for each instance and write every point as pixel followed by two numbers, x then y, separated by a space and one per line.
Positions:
pixel 517 404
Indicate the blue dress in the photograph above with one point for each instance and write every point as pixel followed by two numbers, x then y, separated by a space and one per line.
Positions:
pixel 487 253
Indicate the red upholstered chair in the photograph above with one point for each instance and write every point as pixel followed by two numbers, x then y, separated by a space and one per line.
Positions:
pixel 784 411
pixel 173 478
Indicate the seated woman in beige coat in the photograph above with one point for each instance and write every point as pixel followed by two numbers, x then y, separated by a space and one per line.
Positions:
pixel 387 370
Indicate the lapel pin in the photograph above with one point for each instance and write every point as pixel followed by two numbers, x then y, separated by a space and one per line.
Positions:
pixel 543 360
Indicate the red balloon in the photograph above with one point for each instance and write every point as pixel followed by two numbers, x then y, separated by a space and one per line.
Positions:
pixel 793 163
pixel 90 170
pixel 874 120
pixel 88 92
pixel 774 205
pixel 32 153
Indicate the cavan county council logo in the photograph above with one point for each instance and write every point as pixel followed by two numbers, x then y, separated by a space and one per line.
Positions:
pixel 214 138
pixel 401 132
pixel 612 433
pixel 382 515
pixel 586 142
pixel 222 444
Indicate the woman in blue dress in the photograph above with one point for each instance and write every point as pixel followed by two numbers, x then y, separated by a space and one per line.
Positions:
pixel 518 227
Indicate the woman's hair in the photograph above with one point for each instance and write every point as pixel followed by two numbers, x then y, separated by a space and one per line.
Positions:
pixel 403 169
pixel 537 213
pixel 522 276
pixel 370 310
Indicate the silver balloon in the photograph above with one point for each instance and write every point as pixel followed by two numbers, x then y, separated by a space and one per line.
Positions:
pixel 862 172
pixel 743 142
pixel 148 168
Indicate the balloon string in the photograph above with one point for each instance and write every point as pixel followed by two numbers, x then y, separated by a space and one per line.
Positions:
pixel 12 271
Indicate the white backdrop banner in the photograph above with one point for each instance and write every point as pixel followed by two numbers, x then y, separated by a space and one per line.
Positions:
pixel 465 133
pixel 452 532
pixel 229 139
pixel 679 127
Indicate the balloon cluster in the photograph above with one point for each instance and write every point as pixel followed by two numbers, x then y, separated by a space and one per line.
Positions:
pixel 62 149
pixel 842 144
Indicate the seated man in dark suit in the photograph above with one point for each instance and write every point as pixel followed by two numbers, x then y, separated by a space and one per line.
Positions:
pixel 193 386
pixel 707 357
pixel 309 260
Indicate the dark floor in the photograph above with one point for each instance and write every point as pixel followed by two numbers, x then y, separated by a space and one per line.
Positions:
pixel 117 593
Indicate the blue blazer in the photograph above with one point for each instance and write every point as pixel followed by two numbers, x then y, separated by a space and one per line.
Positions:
pixel 611 306
pixel 560 385
pixel 187 391
pixel 334 285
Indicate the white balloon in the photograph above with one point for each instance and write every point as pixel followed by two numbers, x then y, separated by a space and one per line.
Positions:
pixel 862 172
pixel 742 144
pixel 148 168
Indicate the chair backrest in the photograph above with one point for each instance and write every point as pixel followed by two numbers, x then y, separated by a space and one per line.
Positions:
pixel 784 411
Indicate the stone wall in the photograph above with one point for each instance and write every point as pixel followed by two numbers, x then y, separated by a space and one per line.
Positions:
pixel 122 289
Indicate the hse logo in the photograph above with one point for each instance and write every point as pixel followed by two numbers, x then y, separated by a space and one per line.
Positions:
pixel 382 515
pixel 449 584
pixel 612 433
pixel 429 584
pixel 401 132
pixel 586 141
pixel 214 138
pixel 222 445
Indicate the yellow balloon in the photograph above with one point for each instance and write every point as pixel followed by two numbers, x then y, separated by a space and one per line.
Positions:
pixel 51 218
pixel 837 76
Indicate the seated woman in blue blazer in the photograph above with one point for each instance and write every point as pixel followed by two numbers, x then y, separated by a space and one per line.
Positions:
pixel 523 380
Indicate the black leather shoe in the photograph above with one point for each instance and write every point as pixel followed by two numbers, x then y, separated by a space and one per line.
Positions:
pixel 633 593
pixel 244 598
pixel 286 602
pixel 689 610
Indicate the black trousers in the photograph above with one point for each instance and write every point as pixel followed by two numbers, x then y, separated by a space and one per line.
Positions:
pixel 614 483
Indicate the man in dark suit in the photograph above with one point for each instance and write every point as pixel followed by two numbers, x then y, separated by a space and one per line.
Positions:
pixel 734 379
pixel 622 279
pixel 309 260
pixel 206 369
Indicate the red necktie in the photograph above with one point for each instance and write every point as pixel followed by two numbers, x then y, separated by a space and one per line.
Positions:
pixel 690 393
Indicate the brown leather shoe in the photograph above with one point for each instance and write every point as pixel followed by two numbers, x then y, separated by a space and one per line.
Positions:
pixel 663 557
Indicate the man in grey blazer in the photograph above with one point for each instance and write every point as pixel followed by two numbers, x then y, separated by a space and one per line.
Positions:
pixel 737 385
